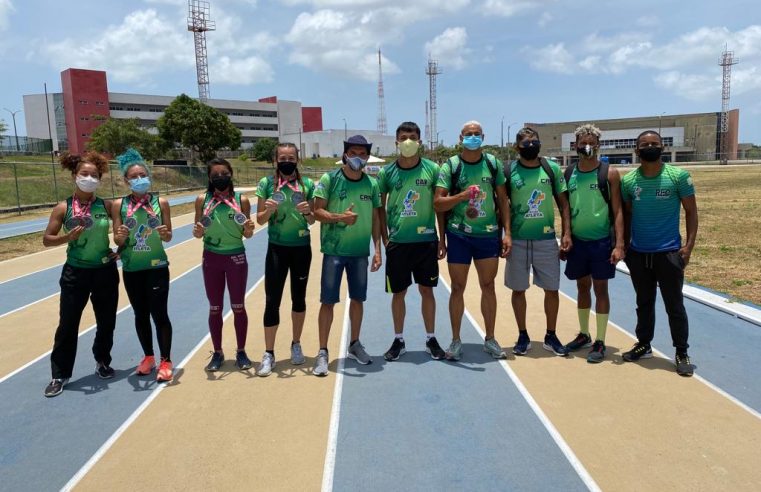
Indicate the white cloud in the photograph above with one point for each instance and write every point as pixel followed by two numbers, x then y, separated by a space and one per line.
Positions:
pixel 6 7
pixel 506 8
pixel 552 58
pixel 690 86
pixel 241 71
pixel 545 19
pixel 449 47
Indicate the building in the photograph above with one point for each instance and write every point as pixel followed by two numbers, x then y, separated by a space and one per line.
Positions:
pixel 85 103
pixel 329 143
pixel 688 137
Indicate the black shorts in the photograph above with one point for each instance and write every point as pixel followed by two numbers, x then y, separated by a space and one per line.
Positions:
pixel 407 260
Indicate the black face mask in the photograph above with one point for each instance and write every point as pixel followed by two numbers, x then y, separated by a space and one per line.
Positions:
pixel 583 152
pixel 650 154
pixel 529 153
pixel 221 183
pixel 286 168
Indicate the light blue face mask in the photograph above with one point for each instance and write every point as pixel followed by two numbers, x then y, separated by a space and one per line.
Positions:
pixel 140 185
pixel 356 163
pixel 472 142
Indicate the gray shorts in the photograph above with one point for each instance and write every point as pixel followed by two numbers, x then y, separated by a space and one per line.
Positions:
pixel 542 255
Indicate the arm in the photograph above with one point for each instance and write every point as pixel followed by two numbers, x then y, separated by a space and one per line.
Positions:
pixel 442 202
pixel 565 220
pixel 627 224
pixel 690 206
pixel 165 229
pixel 307 210
pixel 120 230
pixel 245 208
pixel 51 237
pixel 264 210
pixel 198 229
pixel 376 232
pixel 441 222
pixel 614 181
pixel 383 219
pixel 504 208
pixel 321 214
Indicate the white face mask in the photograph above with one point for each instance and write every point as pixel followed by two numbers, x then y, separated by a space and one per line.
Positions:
pixel 88 184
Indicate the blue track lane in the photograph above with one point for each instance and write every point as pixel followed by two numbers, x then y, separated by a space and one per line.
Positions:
pixel 721 346
pixel 46 441
pixel 435 425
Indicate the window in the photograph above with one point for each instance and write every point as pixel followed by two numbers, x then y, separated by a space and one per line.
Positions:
pixel 82 101
pixel 99 103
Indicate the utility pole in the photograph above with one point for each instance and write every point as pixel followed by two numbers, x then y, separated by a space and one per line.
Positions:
pixel 13 114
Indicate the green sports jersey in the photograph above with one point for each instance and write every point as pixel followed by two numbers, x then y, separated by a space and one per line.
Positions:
pixel 473 173
pixel 92 247
pixel 340 192
pixel 590 215
pixel 143 248
pixel 532 213
pixel 409 201
pixel 287 226
pixel 223 236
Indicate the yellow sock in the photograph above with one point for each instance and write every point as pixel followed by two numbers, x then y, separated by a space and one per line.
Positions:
pixel 584 320
pixel 602 326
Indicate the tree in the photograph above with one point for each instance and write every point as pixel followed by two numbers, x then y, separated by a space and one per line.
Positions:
pixel 3 128
pixel 263 149
pixel 115 136
pixel 197 126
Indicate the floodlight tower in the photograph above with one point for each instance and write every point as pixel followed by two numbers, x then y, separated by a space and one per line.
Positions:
pixel 427 136
pixel 726 61
pixel 198 23
pixel 432 71
pixel 381 99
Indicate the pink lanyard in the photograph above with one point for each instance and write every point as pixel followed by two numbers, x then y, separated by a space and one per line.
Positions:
pixel 144 203
pixel 217 200
pixel 79 210
pixel 282 182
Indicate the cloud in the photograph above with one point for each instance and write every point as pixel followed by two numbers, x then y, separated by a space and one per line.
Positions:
pixel 545 19
pixel 507 8
pixel 6 8
pixel 690 86
pixel 449 47
pixel 552 58
pixel 241 71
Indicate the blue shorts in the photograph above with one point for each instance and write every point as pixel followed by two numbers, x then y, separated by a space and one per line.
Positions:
pixel 462 249
pixel 332 271
pixel 590 258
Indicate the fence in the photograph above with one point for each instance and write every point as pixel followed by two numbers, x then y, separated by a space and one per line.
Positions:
pixel 28 186
pixel 10 144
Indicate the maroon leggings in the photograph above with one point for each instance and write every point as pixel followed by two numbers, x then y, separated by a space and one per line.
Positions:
pixel 234 269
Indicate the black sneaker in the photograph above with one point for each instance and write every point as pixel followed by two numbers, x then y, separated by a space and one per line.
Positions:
pixel 432 347
pixel 242 360
pixel 639 351
pixel 55 387
pixel 683 365
pixel 597 354
pixel 397 349
pixel 217 359
pixel 582 340
pixel 552 344
pixel 104 371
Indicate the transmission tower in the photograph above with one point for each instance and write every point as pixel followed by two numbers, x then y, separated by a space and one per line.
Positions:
pixel 427 136
pixel 725 62
pixel 381 98
pixel 198 23
pixel 432 71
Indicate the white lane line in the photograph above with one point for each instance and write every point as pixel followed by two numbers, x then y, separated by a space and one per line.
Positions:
pixel 139 410
pixel 128 306
pixel 335 413
pixel 660 354
pixel 551 429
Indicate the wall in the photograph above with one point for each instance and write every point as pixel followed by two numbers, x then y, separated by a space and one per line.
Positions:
pixel 85 99
pixel 312 118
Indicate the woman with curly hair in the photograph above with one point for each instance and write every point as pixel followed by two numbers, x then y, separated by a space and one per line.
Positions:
pixel 142 224
pixel 89 272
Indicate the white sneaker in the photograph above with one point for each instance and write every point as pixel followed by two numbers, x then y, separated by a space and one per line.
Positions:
pixel 268 363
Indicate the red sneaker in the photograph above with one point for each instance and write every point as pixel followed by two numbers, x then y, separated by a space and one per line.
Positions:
pixel 146 365
pixel 164 373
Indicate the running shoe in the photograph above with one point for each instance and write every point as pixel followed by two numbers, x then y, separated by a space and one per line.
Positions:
pixel 357 352
pixel 523 344
pixel 597 354
pixel 432 347
pixel 552 344
pixel 454 352
pixel 55 387
pixel 321 363
pixel 398 348
pixel 242 360
pixel 492 347
pixel 297 355
pixel 104 371
pixel 683 365
pixel 217 359
pixel 164 374
pixel 146 365
pixel 582 340
pixel 638 351
pixel 268 363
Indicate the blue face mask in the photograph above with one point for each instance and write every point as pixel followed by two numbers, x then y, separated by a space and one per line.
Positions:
pixel 472 142
pixel 356 163
pixel 140 185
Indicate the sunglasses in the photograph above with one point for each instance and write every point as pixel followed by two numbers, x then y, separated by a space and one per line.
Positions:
pixel 530 143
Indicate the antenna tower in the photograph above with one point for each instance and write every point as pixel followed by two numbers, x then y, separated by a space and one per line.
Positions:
pixel 432 71
pixel 381 98
pixel 427 136
pixel 198 23
pixel 725 62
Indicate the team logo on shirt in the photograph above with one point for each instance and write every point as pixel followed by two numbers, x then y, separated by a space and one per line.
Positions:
pixel 534 202
pixel 140 237
pixel 342 195
pixel 637 191
pixel 421 182
pixel 663 194
pixel 409 204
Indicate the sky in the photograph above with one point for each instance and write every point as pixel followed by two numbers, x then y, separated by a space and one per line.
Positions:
pixel 504 62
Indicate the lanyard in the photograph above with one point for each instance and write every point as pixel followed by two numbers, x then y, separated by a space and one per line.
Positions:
pixel 144 203
pixel 217 200
pixel 79 210
pixel 282 182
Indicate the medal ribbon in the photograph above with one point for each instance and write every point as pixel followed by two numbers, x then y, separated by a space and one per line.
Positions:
pixel 283 182
pixel 135 205
pixel 217 200
pixel 79 210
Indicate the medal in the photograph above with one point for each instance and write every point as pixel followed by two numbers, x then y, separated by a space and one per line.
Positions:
pixel 471 212
pixel 278 196
pixel 130 223
pixel 240 218
pixel 297 197
pixel 87 222
pixel 80 215
pixel 153 222
pixel 205 221
pixel 73 222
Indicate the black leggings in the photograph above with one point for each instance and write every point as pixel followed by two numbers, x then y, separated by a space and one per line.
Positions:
pixel 101 286
pixel 148 292
pixel 280 260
